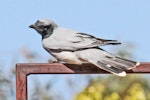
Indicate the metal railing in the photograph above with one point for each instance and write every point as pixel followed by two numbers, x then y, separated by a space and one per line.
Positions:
pixel 25 69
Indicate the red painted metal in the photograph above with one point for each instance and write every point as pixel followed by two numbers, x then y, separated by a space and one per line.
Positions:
pixel 23 70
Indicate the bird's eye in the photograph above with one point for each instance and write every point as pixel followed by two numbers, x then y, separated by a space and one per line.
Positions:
pixel 44 27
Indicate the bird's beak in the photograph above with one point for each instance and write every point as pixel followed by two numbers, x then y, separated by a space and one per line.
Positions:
pixel 32 26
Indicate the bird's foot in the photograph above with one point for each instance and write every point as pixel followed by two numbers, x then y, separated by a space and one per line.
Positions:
pixel 53 61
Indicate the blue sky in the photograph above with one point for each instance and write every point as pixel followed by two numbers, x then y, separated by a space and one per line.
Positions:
pixel 124 20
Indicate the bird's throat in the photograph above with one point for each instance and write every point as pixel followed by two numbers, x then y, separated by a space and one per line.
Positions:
pixel 47 33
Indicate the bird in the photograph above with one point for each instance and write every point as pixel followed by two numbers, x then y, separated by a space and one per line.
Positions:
pixel 75 47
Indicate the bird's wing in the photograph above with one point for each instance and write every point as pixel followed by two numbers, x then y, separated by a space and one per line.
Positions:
pixel 72 40
pixel 91 41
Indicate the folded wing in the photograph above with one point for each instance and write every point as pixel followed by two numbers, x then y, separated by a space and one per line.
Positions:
pixel 66 39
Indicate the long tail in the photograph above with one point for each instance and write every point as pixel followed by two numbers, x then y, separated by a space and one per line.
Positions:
pixel 122 63
pixel 116 65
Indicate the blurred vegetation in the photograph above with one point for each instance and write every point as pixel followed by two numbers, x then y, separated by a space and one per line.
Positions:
pixel 7 81
pixel 132 87
pixel 125 50
pixel 43 92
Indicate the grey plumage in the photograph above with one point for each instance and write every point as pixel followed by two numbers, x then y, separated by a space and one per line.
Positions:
pixel 76 48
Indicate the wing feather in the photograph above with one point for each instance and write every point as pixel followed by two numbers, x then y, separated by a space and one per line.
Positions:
pixel 85 41
pixel 66 39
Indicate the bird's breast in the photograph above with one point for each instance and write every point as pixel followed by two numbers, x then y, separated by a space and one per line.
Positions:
pixel 68 57
pixel 50 43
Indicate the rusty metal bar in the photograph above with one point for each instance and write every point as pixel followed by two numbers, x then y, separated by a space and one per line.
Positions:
pixel 24 69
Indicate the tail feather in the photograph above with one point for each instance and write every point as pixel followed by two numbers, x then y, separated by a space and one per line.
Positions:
pixel 128 64
pixel 121 63
pixel 109 68
pixel 131 61
pixel 116 65
pixel 112 69
pixel 108 61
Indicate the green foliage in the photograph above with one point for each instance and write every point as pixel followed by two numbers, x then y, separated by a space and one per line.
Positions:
pixel 132 87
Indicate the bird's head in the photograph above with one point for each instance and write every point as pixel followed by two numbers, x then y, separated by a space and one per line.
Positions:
pixel 44 27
